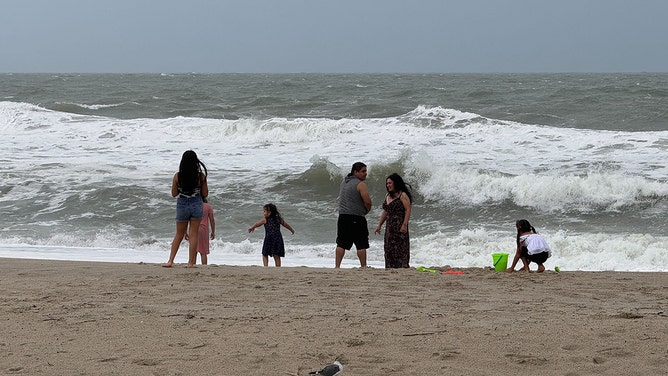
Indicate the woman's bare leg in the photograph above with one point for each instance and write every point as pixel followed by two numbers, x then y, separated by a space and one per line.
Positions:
pixel 194 229
pixel 181 228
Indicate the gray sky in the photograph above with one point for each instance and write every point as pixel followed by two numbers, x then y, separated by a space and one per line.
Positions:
pixel 171 36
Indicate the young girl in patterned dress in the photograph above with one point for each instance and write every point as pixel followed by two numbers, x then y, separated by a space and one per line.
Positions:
pixel 273 240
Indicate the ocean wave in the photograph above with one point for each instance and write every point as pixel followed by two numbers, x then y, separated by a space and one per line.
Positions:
pixel 467 248
pixel 551 191
pixel 439 117
pixel 462 186
pixel 475 168
pixel 17 117
pixel 92 106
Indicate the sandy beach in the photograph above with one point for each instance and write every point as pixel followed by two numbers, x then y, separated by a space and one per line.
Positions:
pixel 86 318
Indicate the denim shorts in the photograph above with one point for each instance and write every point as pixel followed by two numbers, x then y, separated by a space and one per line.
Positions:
pixel 188 208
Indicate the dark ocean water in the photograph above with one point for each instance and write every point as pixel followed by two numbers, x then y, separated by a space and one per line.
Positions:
pixel 625 102
pixel 88 160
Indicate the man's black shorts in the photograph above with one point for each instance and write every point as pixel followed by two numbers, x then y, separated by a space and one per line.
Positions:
pixel 352 229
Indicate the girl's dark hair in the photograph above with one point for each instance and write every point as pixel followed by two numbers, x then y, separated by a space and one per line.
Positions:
pixel 357 166
pixel 273 211
pixel 190 171
pixel 401 186
pixel 523 226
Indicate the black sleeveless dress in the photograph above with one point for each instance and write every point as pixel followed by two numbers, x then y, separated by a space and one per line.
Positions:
pixel 397 244
pixel 273 239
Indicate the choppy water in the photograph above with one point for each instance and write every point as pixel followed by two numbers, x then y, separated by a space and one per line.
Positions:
pixel 88 159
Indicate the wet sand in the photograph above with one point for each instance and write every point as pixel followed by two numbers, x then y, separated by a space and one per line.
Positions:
pixel 67 318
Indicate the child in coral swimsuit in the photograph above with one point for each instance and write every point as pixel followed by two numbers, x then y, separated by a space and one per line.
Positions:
pixel 203 232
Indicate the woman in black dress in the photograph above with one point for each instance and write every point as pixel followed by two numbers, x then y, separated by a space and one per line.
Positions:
pixel 397 212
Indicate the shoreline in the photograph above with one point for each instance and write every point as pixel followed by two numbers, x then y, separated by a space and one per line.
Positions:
pixel 316 259
pixel 349 262
pixel 90 317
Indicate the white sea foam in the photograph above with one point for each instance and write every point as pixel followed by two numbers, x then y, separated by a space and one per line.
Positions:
pixel 96 106
pixel 468 248
pixel 456 159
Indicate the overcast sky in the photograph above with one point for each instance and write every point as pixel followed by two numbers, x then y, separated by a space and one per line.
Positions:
pixel 171 36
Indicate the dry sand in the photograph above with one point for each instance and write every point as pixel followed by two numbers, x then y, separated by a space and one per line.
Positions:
pixel 85 318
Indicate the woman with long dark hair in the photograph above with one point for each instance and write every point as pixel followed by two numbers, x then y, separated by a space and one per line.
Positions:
pixel 397 212
pixel 189 187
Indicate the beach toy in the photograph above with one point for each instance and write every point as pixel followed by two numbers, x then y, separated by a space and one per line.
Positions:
pixel 556 269
pixel 450 271
pixel 500 261
pixel 423 269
